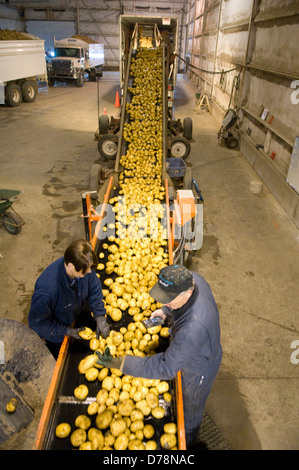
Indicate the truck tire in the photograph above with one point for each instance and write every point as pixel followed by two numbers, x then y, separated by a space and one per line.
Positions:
pixel 180 147
pixel 103 124
pixel 187 128
pixel 13 95
pixel 29 91
pixel 51 81
pixel 107 146
pixel 80 80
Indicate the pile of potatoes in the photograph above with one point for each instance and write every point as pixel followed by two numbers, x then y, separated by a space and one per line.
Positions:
pixel 123 404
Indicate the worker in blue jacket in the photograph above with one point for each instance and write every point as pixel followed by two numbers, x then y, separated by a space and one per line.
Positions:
pixel 194 349
pixel 62 292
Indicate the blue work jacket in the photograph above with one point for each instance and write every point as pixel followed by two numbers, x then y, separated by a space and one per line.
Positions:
pixel 56 304
pixel 194 349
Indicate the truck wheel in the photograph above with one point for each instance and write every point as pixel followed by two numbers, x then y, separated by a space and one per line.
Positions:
pixel 51 81
pixel 80 80
pixel 180 147
pixel 107 146
pixel 29 91
pixel 187 126
pixel 13 95
pixel 103 124
pixel 92 75
pixel 95 176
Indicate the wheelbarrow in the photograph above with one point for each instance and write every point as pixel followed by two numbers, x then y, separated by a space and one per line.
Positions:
pixel 10 219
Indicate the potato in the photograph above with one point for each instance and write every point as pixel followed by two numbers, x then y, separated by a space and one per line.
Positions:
pixel 118 426
pixel 158 412
pixel 137 424
pixel 109 439
pixel 83 422
pixel 136 444
pixel 108 383
pixel 104 419
pixel 116 372
pixel 170 428
pixel 103 373
pixel 62 430
pixel 121 442
pixel 143 406
pixel 168 440
pixel 117 338
pixel 164 332
pixel 11 405
pixel 148 431
pixel 95 436
pixel 86 363
pixel 126 407
pixel 87 333
pixel 114 394
pixel 102 396
pixel 93 408
pixel 162 386
pixel 81 392
pixel 91 374
pixel 152 400
pixel 116 314
pixel 136 414
pixel 151 445
pixel 94 344
pixel 78 437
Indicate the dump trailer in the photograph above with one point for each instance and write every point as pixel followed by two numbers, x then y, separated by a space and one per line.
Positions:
pixel 148 31
pixel 73 58
pixel 132 220
pixel 22 64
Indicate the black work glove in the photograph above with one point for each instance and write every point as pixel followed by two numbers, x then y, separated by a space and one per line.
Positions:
pixel 74 332
pixel 102 327
pixel 107 360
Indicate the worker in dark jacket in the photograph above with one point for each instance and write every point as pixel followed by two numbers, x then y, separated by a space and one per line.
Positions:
pixel 61 293
pixel 194 349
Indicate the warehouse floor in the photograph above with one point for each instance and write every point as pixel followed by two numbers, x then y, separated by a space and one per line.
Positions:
pixel 249 255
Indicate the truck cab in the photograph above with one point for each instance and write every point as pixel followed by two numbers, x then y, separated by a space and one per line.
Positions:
pixel 73 58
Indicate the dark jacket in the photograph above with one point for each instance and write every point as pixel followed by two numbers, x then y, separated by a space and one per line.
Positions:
pixel 56 303
pixel 195 350
pixel 195 340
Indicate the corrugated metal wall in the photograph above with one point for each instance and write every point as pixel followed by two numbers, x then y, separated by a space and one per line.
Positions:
pixel 260 38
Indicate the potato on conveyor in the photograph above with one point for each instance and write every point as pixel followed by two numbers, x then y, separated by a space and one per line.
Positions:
pixel 168 440
pixel 83 422
pixel 63 430
pixel 118 426
pixel 126 407
pixel 121 442
pixel 170 428
pixel 148 431
pixel 151 445
pixel 104 419
pixel 86 363
pixel 81 392
pixel 78 437
pixel 95 436
pixel 91 374
pixel 158 412
pixel 136 444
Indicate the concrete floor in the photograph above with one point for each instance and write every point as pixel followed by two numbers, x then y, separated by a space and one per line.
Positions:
pixel 249 255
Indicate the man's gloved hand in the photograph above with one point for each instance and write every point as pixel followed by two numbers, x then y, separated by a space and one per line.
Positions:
pixel 74 332
pixel 102 327
pixel 107 360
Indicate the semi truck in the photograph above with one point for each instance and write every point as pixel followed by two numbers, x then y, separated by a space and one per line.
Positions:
pixel 73 58
pixel 22 64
